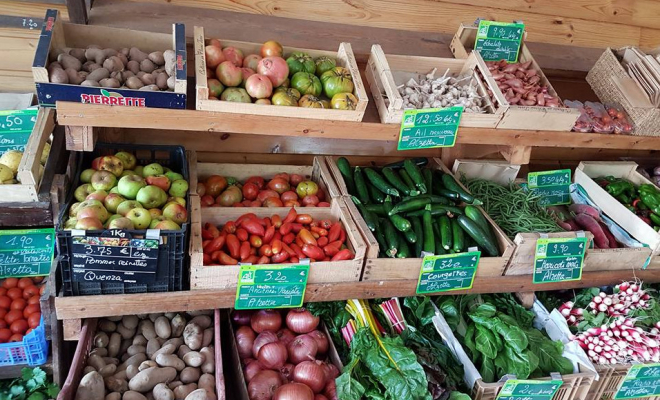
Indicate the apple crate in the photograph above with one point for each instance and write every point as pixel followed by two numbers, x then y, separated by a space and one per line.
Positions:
pixel 226 276
pixel 344 56
pixel 56 34
pixel 86 343
pixel 386 72
pixel 517 117
pixel 382 269
pixel 170 274
pixel 317 172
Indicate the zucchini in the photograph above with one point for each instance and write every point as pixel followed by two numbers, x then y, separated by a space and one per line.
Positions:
pixel 475 232
pixel 412 204
pixel 379 182
pixel 399 222
pixel 377 209
pixel 345 169
pixel 477 216
pixel 360 186
pixel 458 237
pixel 369 218
pixel 380 238
pixel 415 174
pixel 438 240
pixel 391 237
pixel 376 195
pixel 450 183
pixel 394 179
pixel 404 249
pixel 436 186
pixel 450 194
pixel 421 161
pixel 445 231
pixel 429 239
pixel 407 180
pixel 437 209
pixel 428 179
pixel 435 199
pixel 419 233
pixel 410 235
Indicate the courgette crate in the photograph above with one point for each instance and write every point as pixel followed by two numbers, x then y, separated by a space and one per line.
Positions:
pixel 386 72
pixel 381 269
pixel 226 276
pixel 172 250
pixel 57 35
pixel 517 117
pixel 32 350
pixel 344 57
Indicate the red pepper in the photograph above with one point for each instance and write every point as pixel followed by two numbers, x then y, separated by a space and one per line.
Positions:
pixel 233 245
pixel 242 234
pixel 313 251
pixel 334 232
pixel 342 255
pixel 291 216
pixel 245 250
pixel 635 202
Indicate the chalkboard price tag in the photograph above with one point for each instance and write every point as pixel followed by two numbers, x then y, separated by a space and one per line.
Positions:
pixel 448 272
pixel 642 380
pixel 114 259
pixel 560 177
pixel 27 252
pixel 559 259
pixel 15 128
pixel 271 286
pixel 429 128
pixel 518 389
pixel 499 40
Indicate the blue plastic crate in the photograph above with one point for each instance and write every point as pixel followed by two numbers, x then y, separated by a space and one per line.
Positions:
pixel 33 350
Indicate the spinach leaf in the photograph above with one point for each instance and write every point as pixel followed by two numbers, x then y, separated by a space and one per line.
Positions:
pixel 549 353
pixel 485 342
pixel 518 362
pixel 487 370
pixel 449 309
pixel 469 341
pixel 485 310
pixel 513 336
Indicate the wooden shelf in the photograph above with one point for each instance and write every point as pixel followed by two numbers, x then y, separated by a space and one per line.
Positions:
pixel 14 371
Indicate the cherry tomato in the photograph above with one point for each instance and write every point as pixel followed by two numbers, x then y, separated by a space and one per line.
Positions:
pixel 10 283
pixel 18 304
pixel 5 334
pixel 33 320
pixel 19 326
pixel 31 309
pixel 33 300
pixel 13 315
pixel 30 291
pixel 5 302
pixel 24 282
pixel 16 337
pixel 15 293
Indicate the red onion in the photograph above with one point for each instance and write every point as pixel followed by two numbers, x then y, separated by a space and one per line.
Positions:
pixel 262 339
pixel 285 336
pixel 266 320
pixel 241 317
pixel 244 340
pixel 330 390
pixel 303 348
pixel 331 372
pixel 301 320
pixel 287 372
pixel 321 341
pixel 263 385
pixel 272 355
pixel 312 374
pixel 293 391
pixel 320 397
pixel 251 370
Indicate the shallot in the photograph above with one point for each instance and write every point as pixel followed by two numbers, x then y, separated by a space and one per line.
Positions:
pixel 521 85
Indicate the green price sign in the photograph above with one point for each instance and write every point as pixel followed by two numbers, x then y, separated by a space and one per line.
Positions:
pixel 26 252
pixel 560 177
pixel 515 389
pixel 272 286
pixel 559 259
pixel 15 128
pixel 553 195
pixel 429 128
pixel 448 272
pixel 642 380
pixel 499 40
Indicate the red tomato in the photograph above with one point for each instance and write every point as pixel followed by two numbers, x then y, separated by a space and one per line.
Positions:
pixel 273 202
pixel 3 312
pixel 13 315
pixel 289 195
pixel 215 184
pixel 18 304
pixel 33 300
pixel 33 320
pixel 264 194
pixel 3 291
pixel 31 309
pixel 10 283
pixel 282 175
pixel 257 180
pixel 19 326
pixel 5 334
pixel 16 337
pixel 3 324
pixel 279 185
pixel 30 291
pixel 37 279
pixel 5 302
pixel 24 282
pixel 15 293
pixel 250 191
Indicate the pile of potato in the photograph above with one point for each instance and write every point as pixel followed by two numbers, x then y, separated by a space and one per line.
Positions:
pixel 110 68
pixel 157 356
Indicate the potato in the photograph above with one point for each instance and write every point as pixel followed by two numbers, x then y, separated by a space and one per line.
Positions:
pixel 101 340
pixel 133 360
pixel 157 58
pixel 161 82
pixel 150 396
pixel 123 58
pixel 174 384
pixel 88 369
pixel 113 396
pixel 123 330
pixel 114 64
pixel 121 375
pixel 199 394
pixel 171 81
pixel 208 367
pixel 54 65
pixel 79 54
pixel 131 395
pixel 134 349
pixel 149 79
pixel 91 387
pixel 76 77
pixel 136 54
pixel 110 360
pixel 99 352
pixel 108 370
pixel 130 321
pixel 58 75
pixel 124 51
pixel 166 349
pixel 146 327
pixel 68 61
pixel 193 336
pixel 207 382
pixel 204 321
pixel 111 83
pixel 105 325
pixel 176 341
pixel 125 344
pixel 190 375
pixel 147 364
pixel 162 324
pixel 170 62
pixel 140 340
pixel 115 385
pixel 94 54
pixel 207 338
pixel 97 75
pixel 147 379
pixel 114 318
pixel 162 392
pixel 96 362
pixel 114 344
pixel 151 88
pixel 133 66
pixel 193 359
pixel 131 371
pixel 147 66
pixel 127 74
pixel 183 350
pixel 170 360
pixel 153 345
pixel 180 392
pixel 91 66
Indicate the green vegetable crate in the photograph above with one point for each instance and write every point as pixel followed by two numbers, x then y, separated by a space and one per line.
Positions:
pixel 386 268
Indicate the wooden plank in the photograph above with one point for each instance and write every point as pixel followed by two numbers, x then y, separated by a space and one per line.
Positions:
pixel 77 11
pixel 71 327
pixel 35 9
pixel 69 308
pixel 14 371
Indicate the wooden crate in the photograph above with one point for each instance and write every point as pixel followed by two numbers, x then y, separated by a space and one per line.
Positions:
pixel 317 172
pixel 344 56
pixel 387 72
pixel 517 117
pixel 584 175
pixel 382 269
pixel 222 277
pixel 56 34
pixel 610 379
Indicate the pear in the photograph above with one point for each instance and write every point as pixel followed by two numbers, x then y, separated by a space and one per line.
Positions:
pixel 6 173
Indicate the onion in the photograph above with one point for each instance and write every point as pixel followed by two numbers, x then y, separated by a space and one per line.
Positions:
pixel 263 385
pixel 285 336
pixel 331 372
pixel 244 340
pixel 293 391
pixel 287 372
pixel 330 390
pixel 321 341
pixel 272 355
pixel 266 320
pixel 320 397
pixel 301 320
pixel 302 348
pixel 262 339
pixel 312 374
pixel 241 317
pixel 251 370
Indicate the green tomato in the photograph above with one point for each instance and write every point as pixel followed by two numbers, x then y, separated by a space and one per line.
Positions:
pixel 306 83
pixel 309 101
pixel 323 64
pixel 300 62
pixel 337 80
pixel 344 101
pixel 286 97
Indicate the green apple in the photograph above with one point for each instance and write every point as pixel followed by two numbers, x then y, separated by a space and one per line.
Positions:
pixel 99 195
pixel 89 224
pixel 70 223
pixel 103 180
pixel 167 226
pixel 122 223
pixel 128 172
pixel 73 208
pixel 179 188
pixel 139 170
pixel 151 196
pixel 128 159
pixel 152 169
pixel 174 176
pixel 176 212
pixel 86 175
pixel 140 217
pixel 114 190
pixel 155 221
pixel 83 191
pixel 166 170
pixel 130 185
pixel 179 200
pixel 126 206
pixel 112 201
pixel 112 218
pixel 92 209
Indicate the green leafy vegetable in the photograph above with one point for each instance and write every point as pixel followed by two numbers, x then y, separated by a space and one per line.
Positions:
pixel 32 385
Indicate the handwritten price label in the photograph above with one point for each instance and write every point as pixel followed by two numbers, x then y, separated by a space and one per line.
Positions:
pixel 448 272
pixel 26 252
pixel 15 129
pixel 499 40
pixel 271 286
pixel 518 389
pixel 641 381
pixel 559 259
pixel 429 128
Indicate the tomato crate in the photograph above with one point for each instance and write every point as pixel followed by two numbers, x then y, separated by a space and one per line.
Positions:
pixel 172 249
pixel 344 57
pixel 32 350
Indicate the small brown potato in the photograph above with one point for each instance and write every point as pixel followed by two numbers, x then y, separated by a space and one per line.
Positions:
pixel 134 82
pixel 135 349
pixel 133 66
pixel 114 64
pixel 114 318
pixel 130 321
pixel 131 395
pixel 114 344
pixel 133 360
pixel 125 344
pixel 150 396
pixel 76 77
pixel 124 51
pixel 105 325
pixel 91 387
pixel 145 380
pixel 94 54
pixel 183 350
pixel 170 360
pixel 113 396
pixel 157 58
pixel 110 360
pixel 88 369
pixel 101 340
pixel 93 46
pixel 150 79
pixel 131 371
pixel 161 82
pixel 169 315
pixel 204 321
pixel 207 339
pixel 158 71
pixel 91 66
pixel 88 82
pixel 174 384
pixel 166 349
pixel 97 75
pixel 147 364
pixel 194 359
pixel 68 61
pixel 208 367
pixel 124 331
pixel 58 75
pixel 54 65
pixel 140 340
pixel 115 385
pixel 178 323
pixel 146 327
pixel 108 370
pixel 207 382
pixel 153 345
pixel 193 336
pixel 170 62
pixel 147 66
pixel 176 341
pixel 170 82
pixel 136 54
pixel 162 392
pixel 162 324
pixel 121 375
pixel 110 83
pixel 79 54
pixel 190 375
pixel 96 362
pixel 127 74
pixel 180 392
pixel 199 394
pixel 99 352
pixel 123 58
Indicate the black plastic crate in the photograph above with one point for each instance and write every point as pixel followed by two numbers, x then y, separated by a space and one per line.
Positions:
pixel 171 270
